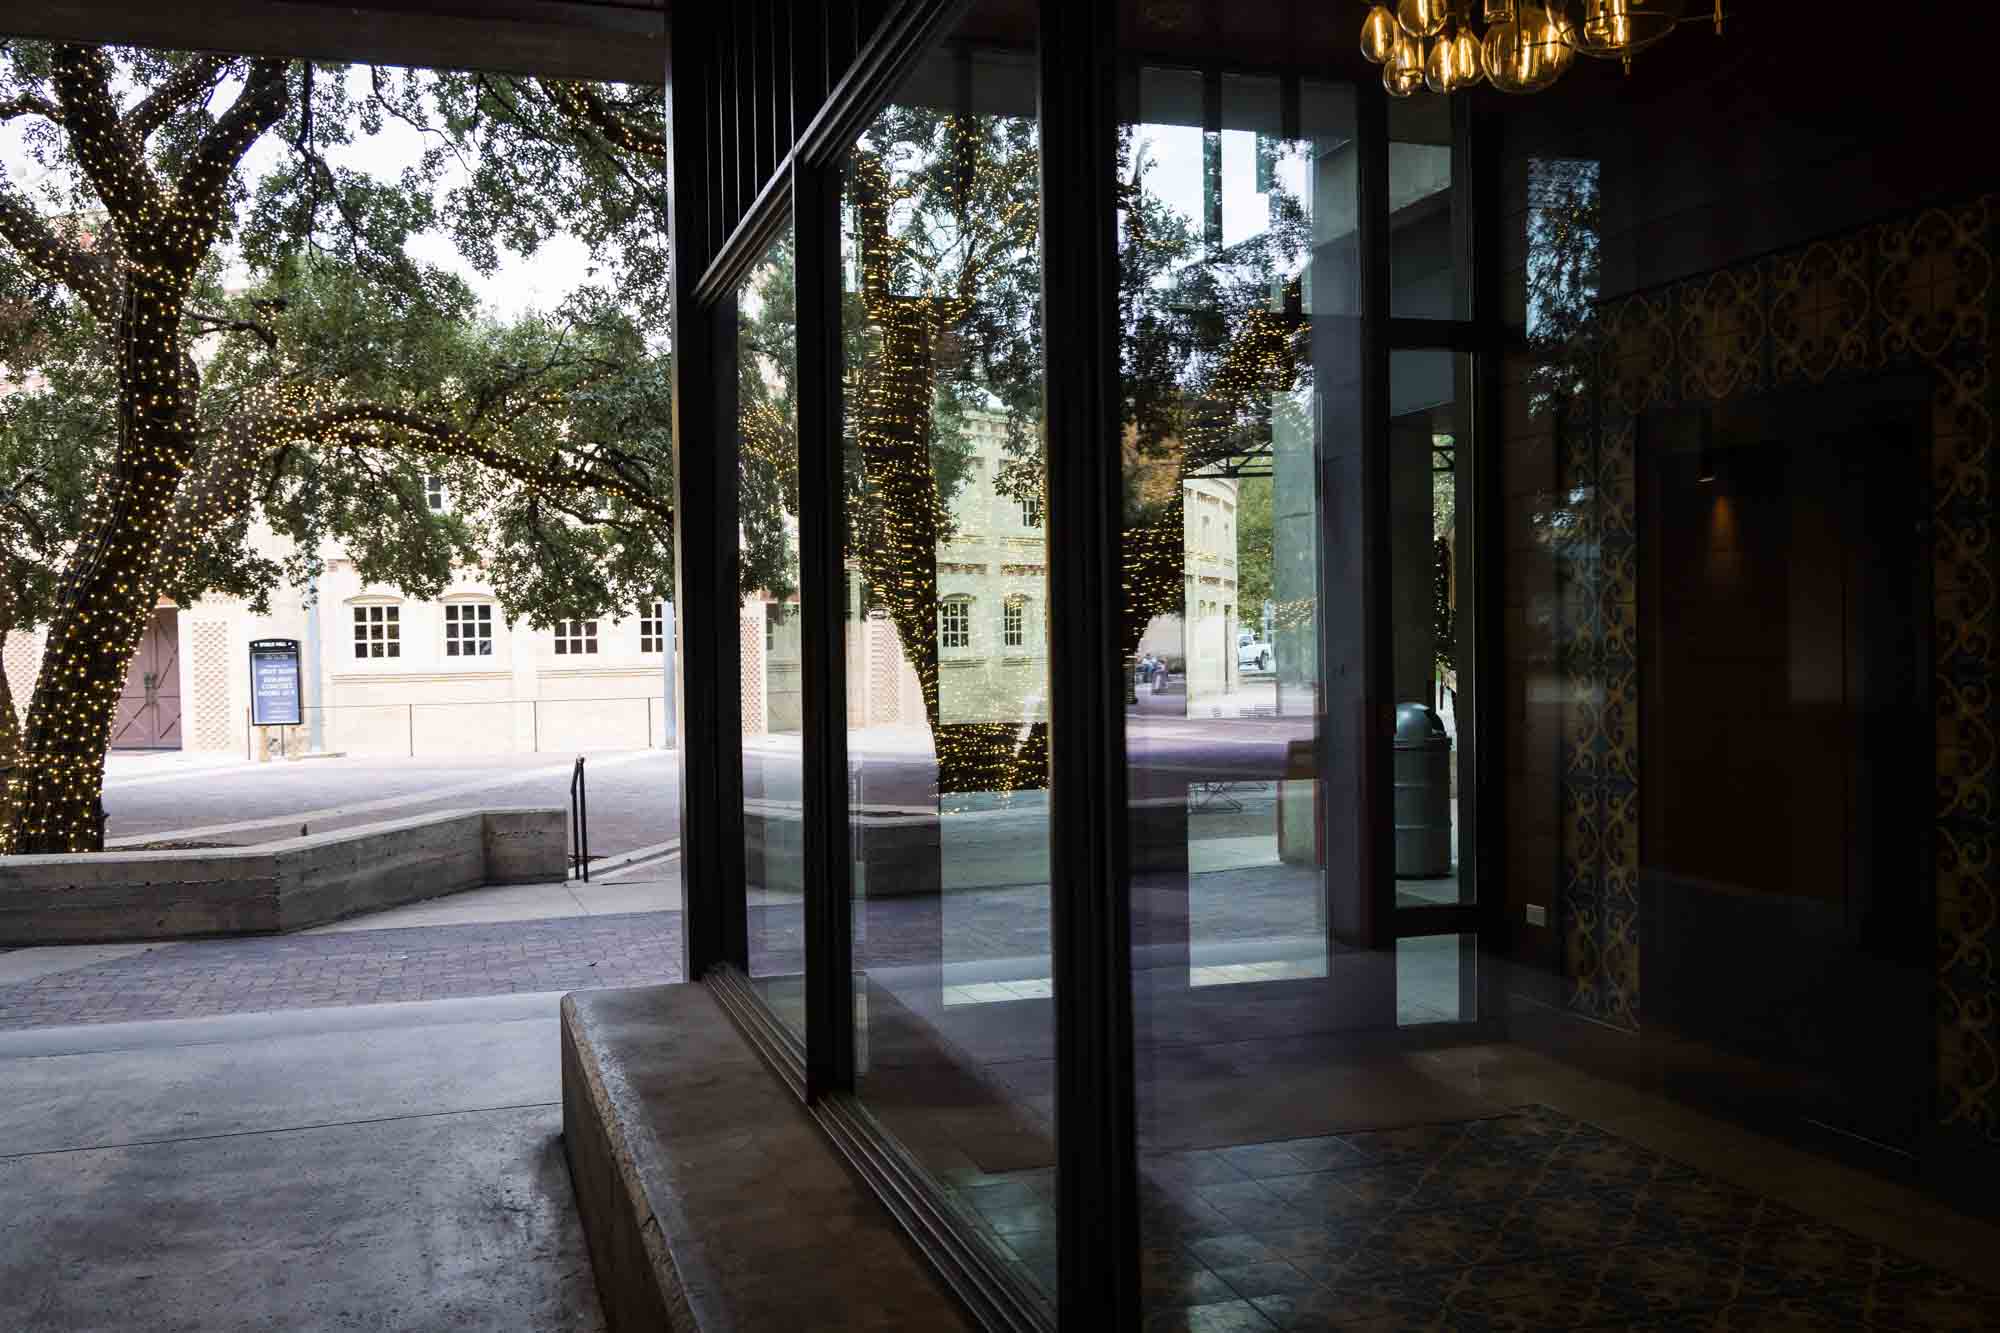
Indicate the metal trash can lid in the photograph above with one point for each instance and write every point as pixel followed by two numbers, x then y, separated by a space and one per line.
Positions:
pixel 1418 727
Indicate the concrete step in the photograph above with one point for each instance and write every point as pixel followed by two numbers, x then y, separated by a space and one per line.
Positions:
pixel 710 1198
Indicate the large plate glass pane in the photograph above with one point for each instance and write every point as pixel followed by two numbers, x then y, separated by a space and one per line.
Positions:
pixel 947 645
pixel 768 549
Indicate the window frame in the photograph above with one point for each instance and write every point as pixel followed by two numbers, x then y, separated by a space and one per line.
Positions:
pixel 461 614
pixel 957 609
pixel 575 638
pixel 377 631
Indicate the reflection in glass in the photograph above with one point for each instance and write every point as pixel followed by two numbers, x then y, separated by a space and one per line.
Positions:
pixel 1424 281
pixel 768 552
pixel 947 657
pixel 1429 475
pixel 1241 450
pixel 1436 978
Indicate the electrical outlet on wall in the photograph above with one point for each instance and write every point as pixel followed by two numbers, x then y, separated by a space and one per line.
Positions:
pixel 1538 915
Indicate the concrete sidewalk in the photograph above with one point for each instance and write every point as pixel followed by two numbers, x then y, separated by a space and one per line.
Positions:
pixel 634 794
pixel 377 1167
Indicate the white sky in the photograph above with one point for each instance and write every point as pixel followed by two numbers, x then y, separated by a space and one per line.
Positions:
pixel 518 285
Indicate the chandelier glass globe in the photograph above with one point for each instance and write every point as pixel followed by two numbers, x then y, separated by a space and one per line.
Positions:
pixel 1530 53
pixel 1423 18
pixel 1614 29
pixel 1403 71
pixel 1453 63
pixel 1378 34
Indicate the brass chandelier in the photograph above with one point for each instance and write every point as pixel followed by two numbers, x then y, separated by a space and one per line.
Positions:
pixel 1526 46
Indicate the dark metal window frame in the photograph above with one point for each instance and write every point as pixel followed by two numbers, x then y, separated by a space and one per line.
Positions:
pixel 1079 107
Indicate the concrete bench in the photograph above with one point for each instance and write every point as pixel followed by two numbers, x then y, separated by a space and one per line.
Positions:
pixel 105 897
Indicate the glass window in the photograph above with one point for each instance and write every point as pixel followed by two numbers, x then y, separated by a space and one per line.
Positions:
pixel 1014 623
pixel 378 631
pixel 434 492
pixel 1242 355
pixel 767 450
pixel 468 629
pixel 955 623
pixel 1430 465
pixel 651 620
pixel 575 637
pixel 1425 278
pixel 947 736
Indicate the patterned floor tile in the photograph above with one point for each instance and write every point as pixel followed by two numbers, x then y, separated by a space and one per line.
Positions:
pixel 1568 1223
pixel 1217 1317
pixel 1276 1278
pixel 1382 1306
pixel 1927 1305
pixel 1419 1145
pixel 1521 1222
pixel 1813 1256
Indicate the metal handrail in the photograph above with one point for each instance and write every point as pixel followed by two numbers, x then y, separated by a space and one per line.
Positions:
pixel 579 822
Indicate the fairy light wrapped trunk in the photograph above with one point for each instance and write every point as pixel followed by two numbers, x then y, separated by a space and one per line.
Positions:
pixel 163 230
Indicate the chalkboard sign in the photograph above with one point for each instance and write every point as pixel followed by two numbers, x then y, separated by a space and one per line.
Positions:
pixel 275 696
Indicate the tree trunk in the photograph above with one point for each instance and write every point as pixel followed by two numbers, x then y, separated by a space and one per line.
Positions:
pixel 109 588
pixel 10 721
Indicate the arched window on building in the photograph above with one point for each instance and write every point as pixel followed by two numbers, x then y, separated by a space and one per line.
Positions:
pixel 378 630
pixel 468 629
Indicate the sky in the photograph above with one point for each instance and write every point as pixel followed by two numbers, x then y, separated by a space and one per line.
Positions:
pixel 518 285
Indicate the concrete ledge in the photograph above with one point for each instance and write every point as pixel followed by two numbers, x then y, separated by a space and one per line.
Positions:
pixel 106 897
pixel 710 1199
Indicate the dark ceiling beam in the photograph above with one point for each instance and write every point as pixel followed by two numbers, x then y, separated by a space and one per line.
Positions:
pixel 571 39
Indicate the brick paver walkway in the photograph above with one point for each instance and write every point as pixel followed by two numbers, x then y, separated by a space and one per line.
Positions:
pixel 207 977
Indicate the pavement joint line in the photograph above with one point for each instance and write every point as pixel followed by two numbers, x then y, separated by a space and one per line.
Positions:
pixel 280 1129
pixel 637 856
pixel 179 775
pixel 364 807
pixel 100 1038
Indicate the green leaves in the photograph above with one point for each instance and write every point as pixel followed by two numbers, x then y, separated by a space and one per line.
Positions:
pixel 336 373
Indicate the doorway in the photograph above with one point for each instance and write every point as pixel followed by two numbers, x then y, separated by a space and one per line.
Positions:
pixel 149 709
pixel 1785 614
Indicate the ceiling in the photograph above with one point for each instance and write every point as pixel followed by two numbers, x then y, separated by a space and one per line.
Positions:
pixel 623 40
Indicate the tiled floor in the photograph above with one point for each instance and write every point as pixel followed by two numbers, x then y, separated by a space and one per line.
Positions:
pixel 1530 1220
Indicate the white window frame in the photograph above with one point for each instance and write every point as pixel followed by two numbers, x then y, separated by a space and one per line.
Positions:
pixel 955 623
pixel 434 493
pixel 378 631
pixel 1014 623
pixel 468 629
pixel 1031 512
pixel 653 627
pixel 576 638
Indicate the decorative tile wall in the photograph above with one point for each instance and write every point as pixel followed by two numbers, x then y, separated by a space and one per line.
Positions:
pixel 1917 293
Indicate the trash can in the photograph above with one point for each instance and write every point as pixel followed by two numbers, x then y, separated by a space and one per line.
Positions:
pixel 1423 794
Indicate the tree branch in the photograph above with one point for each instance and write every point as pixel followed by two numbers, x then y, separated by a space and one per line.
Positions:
pixel 191 83
pixel 92 277
pixel 204 181
pixel 207 324
pixel 28 104
pixel 105 149
pixel 372 426
pixel 579 102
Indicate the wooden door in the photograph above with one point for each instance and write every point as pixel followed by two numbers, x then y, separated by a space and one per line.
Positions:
pixel 149 710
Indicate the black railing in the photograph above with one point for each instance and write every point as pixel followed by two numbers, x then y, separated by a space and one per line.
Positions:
pixel 579 823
